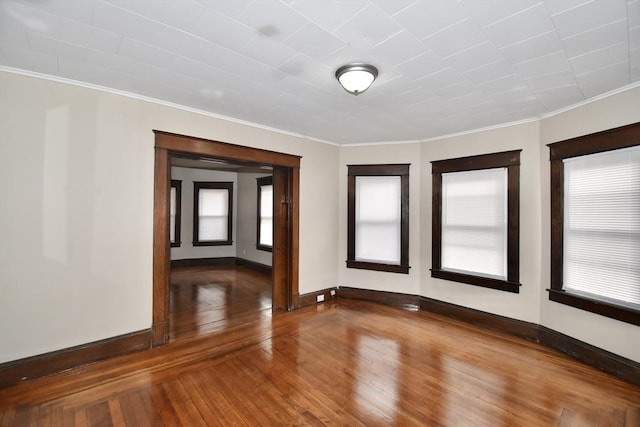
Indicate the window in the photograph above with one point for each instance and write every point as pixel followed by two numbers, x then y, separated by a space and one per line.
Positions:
pixel 595 223
pixel 264 236
pixel 475 220
pixel 378 217
pixel 175 211
pixel 212 213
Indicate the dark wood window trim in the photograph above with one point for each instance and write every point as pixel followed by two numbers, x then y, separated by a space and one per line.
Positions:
pixel 612 139
pixel 197 186
pixel 177 184
pixel 267 180
pixel 401 170
pixel 509 160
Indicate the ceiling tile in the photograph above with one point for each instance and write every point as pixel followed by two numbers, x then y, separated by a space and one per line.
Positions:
pixel 600 58
pixel 424 18
pixel 267 50
pixel 560 97
pixel 490 11
pixel 556 7
pixel 329 14
pixel 529 23
pixel 55 47
pixel 216 27
pixel 551 63
pixel 551 80
pixel 532 48
pixel 604 79
pixel 143 52
pixel 399 48
pixel 393 6
pixel 425 64
pixel 119 20
pixel 474 57
pixel 597 38
pixel 456 38
pixel 588 16
pixel 367 28
pixel 183 14
pixel 441 79
pixel 272 18
pixel 28 59
pixel 489 72
pixel 633 13
pixel 314 42
pixel 76 10
pixel 232 9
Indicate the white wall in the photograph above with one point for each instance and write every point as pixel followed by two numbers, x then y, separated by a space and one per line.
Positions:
pixel 247 228
pixel 618 337
pixel 76 185
pixel 186 250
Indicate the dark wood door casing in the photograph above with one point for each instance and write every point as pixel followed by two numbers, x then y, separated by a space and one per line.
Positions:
pixel 286 173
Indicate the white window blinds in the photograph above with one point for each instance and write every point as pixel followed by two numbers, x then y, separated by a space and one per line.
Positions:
pixel 474 222
pixel 213 212
pixel 378 219
pixel 602 225
pixel 266 215
pixel 172 215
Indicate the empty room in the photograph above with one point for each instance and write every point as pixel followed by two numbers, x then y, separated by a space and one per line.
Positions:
pixel 314 212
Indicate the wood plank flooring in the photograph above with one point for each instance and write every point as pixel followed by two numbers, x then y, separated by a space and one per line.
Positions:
pixel 345 362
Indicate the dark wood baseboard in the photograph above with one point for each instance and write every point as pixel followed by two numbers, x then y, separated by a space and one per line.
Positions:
pixel 404 301
pixel 57 361
pixel 252 265
pixel 606 361
pixel 611 363
pixel 223 261
pixel 203 262
pixel 492 321
pixel 311 298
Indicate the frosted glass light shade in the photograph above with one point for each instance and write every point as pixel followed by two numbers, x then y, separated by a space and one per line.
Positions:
pixel 356 78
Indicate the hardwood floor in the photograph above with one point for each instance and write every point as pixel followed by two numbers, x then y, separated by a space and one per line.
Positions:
pixel 209 299
pixel 344 362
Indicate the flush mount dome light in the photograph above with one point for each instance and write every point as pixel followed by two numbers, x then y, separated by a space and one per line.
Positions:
pixel 356 78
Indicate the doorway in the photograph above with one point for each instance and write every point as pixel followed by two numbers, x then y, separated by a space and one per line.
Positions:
pixel 286 174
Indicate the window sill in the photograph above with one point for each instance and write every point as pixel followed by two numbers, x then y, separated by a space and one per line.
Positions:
pixel 389 268
pixel 485 282
pixel 593 305
pixel 213 243
pixel 264 248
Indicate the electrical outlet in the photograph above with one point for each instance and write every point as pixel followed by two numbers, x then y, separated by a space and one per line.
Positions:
pixel 333 292
pixel 320 298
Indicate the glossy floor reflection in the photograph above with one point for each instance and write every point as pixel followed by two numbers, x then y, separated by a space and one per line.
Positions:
pixel 344 362
pixel 210 299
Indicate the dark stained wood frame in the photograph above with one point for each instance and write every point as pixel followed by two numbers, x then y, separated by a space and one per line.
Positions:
pixel 608 140
pixel 506 159
pixel 401 170
pixel 197 186
pixel 286 177
pixel 266 180
pixel 177 184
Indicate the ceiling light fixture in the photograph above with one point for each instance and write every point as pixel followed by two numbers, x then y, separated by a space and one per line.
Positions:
pixel 356 78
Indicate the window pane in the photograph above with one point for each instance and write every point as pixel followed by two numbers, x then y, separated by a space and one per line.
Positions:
pixel 266 201
pixel 602 224
pixel 265 236
pixel 378 216
pixel 213 208
pixel 474 222
pixel 266 231
pixel 172 216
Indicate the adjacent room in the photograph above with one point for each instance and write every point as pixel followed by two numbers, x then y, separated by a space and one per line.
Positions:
pixel 306 212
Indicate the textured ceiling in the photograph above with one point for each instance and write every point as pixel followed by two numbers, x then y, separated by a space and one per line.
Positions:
pixel 445 66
